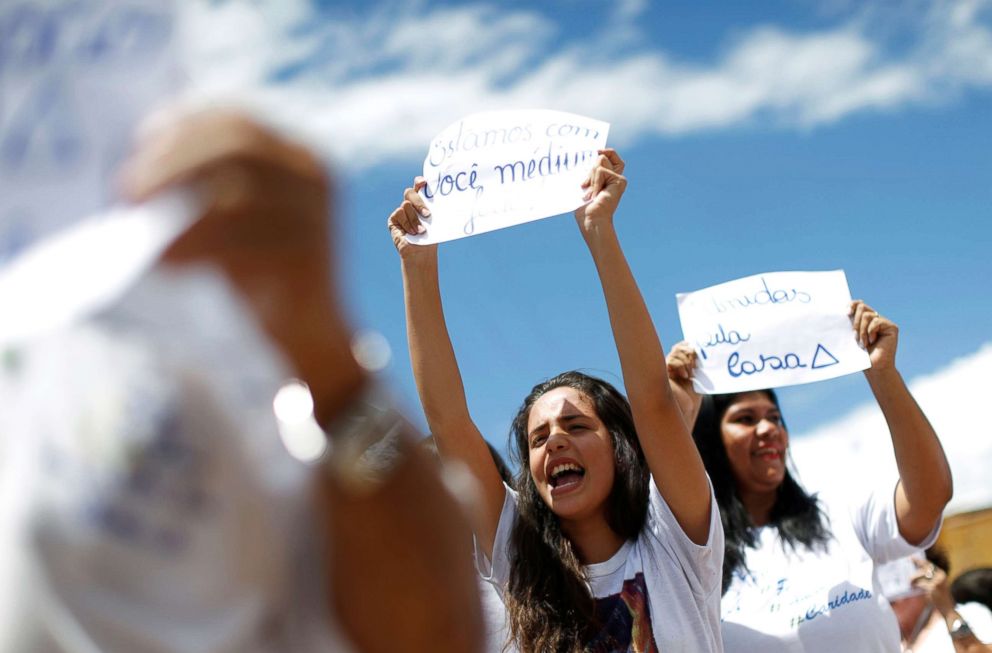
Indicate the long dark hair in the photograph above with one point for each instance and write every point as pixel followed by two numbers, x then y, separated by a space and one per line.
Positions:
pixel 550 607
pixel 974 585
pixel 796 514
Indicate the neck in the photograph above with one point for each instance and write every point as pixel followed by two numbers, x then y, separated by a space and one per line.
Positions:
pixel 759 505
pixel 593 539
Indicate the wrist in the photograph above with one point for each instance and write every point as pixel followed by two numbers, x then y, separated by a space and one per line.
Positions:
pixel 418 257
pixel 598 232
pixel 368 439
pixel 879 376
pixel 958 628
pixel 318 348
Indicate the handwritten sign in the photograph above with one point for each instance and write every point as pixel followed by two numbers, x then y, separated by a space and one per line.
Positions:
pixel 499 169
pixel 75 77
pixel 771 330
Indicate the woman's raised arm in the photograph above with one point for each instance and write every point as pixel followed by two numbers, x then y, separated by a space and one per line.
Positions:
pixel 435 369
pixel 925 484
pixel 667 443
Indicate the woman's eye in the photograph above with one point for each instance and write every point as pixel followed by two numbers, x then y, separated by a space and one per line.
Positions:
pixel 538 441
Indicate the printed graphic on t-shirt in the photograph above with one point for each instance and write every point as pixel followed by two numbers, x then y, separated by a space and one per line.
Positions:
pixel 626 619
pixel 781 601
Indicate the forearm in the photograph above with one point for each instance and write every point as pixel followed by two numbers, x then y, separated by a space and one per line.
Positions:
pixel 925 477
pixel 971 645
pixel 689 403
pixel 435 368
pixel 642 359
pixel 442 394
pixel 316 342
pixel 405 549
pixel 664 435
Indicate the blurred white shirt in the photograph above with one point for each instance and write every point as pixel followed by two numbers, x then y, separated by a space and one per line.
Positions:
pixel 147 503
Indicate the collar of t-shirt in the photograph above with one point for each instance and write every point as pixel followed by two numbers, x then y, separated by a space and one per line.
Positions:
pixel 602 576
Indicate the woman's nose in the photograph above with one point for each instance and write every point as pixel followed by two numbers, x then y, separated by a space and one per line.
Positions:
pixel 767 428
pixel 557 440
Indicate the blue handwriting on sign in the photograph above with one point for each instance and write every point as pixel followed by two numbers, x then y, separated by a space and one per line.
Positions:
pixel 460 181
pixel 44 130
pixel 471 140
pixel 823 358
pixel 34 38
pixel 44 49
pixel 764 296
pixel 737 367
pixel 722 337
pixel 543 166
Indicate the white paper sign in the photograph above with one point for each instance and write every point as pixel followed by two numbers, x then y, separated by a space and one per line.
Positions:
pixel 86 267
pixel 503 168
pixel 75 78
pixel 771 330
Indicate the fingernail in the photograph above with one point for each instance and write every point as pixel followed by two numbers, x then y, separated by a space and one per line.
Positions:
pixel 426 212
pixel 421 229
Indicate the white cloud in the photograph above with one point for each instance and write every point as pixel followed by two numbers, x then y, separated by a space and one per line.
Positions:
pixel 377 87
pixel 856 448
pixel 630 9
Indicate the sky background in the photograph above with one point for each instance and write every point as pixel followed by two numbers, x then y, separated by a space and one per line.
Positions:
pixel 759 136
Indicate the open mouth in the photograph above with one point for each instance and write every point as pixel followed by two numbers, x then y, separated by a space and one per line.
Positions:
pixel 565 475
pixel 768 453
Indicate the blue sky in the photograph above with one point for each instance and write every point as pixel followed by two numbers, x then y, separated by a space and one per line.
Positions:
pixel 760 136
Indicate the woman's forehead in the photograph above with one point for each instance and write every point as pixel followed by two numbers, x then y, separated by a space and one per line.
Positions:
pixel 561 402
pixel 750 401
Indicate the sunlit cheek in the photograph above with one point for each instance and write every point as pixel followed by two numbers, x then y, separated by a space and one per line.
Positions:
pixel 535 469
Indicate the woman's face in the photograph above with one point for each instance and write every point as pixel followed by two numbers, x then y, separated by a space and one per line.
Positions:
pixel 756 442
pixel 571 454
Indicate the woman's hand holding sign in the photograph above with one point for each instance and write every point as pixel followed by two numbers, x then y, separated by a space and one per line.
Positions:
pixel 604 185
pixel 681 362
pixel 406 220
pixel 878 335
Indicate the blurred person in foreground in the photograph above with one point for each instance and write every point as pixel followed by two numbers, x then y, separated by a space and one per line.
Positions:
pixel 497 629
pixel 941 624
pixel 144 511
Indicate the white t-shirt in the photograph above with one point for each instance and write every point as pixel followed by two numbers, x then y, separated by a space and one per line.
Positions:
pixel 820 601
pixel 147 503
pixel 660 588
pixel 979 618
pixel 495 618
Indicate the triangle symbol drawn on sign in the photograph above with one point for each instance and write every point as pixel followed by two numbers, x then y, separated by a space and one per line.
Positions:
pixel 822 358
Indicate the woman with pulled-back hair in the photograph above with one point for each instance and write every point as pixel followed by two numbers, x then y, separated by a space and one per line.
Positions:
pixel 799 570
pixel 611 539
